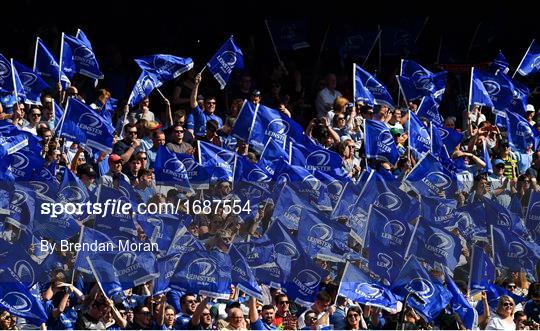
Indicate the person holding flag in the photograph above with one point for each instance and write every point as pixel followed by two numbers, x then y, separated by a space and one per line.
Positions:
pixel 200 117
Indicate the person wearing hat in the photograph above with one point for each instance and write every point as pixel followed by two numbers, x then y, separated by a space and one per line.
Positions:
pixel 510 160
pixel 400 136
pixel 500 184
pixel 529 114
pixel 111 178
pixel 87 175
pixel 200 117
pixel 255 97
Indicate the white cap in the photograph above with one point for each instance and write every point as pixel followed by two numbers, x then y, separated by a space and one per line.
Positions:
pixel 530 108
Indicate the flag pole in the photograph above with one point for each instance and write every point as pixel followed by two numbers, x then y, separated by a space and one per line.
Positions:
pixel 413 234
pixel 354 83
pixel 14 83
pixel 96 276
pixel 524 55
pixel 470 90
pixel 372 46
pixel 159 91
pixel 35 54
pixel 203 69
pixel 60 59
pixel 470 268
pixel 473 39
pixel 281 64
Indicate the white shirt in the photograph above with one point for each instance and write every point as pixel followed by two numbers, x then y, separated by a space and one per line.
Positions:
pixel 497 323
pixel 325 101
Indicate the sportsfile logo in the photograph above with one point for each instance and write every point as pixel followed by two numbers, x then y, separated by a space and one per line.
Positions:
pixel 440 244
pixel 202 270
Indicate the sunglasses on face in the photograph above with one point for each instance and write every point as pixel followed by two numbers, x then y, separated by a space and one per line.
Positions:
pixel 508 304
pixel 283 303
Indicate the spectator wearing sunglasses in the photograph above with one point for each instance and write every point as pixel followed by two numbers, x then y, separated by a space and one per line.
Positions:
pixel 503 319
pixel 176 142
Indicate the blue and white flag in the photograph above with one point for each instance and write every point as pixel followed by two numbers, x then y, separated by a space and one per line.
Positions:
pixel 199 176
pixel 419 137
pixel 380 144
pixel 499 216
pixel 223 160
pixel 144 85
pixel 430 178
pixel 78 57
pixel 289 35
pixel 304 281
pixel 242 276
pixel 33 85
pixel 439 211
pixel 165 266
pixel 532 218
pixel 460 305
pixel 414 278
pixel 163 66
pixel 250 172
pixel 89 237
pixel 416 87
pixel 227 58
pixel 485 157
pixel 204 272
pixel 84 125
pixel 314 157
pixel 46 65
pixel 160 229
pixel 500 64
pixel 413 70
pixel 288 207
pixel 22 206
pixel 169 170
pixel 184 242
pixel 531 60
pixel 58 228
pixel 25 162
pixel 18 258
pixel 105 274
pixel 521 134
pixel 17 299
pixel 358 287
pixel 258 252
pixel 450 137
pixel 9 81
pixel 321 237
pixel 436 246
pixel 12 140
pixel 390 228
pixel 478 95
pixel 256 124
pixel 271 154
pixel 499 88
pixel 365 81
pixel 429 108
pixel 513 253
pixel 72 189
pixel 383 260
pixel 482 270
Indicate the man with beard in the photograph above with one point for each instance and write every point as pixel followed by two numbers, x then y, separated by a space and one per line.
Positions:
pixel 266 319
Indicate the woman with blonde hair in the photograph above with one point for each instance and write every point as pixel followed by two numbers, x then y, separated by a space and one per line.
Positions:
pixel 503 319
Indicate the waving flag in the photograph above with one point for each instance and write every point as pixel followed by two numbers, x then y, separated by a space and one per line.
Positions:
pixel 365 81
pixel 89 236
pixel 227 58
pixel 32 84
pixel 430 178
pixel 204 272
pixel 84 125
pixel 117 225
pixel 289 35
pixel 78 57
pixel 169 170
pixel 145 84
pixel 17 299
pixel 223 160
pixel 242 275
pixel 380 144
pixel 414 278
pixel 271 154
pixel 412 69
pixel 532 219
pixel 521 134
pixel 449 137
pixel 390 228
pixel 303 283
pixel 478 95
pixel 289 206
pixel 437 246
pixel 429 85
pixel 313 158
pixel 513 253
pixel 357 286
pixel 482 270
pixel 429 108
pixel 499 88
pixel 163 66
pixel 46 65
pixel 460 305
pixel 531 60
pixel 249 172
pixel 160 229
pixel 500 64
pixel 23 163
pixel 12 140
pixel 198 175
pixel 419 137
pixel 485 157
pixel 184 242
pixel 58 228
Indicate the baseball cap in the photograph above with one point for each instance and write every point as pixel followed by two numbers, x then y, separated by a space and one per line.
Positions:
pixel 497 162
pixel 396 132
pixel 114 158
pixel 530 108
pixel 256 93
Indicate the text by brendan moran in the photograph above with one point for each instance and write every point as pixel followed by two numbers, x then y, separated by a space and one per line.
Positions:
pixel 118 246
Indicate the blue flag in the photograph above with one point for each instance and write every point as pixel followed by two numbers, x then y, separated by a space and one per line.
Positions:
pixel 478 95
pixel 17 299
pixel 357 286
pixel 439 211
pixel 500 64
pixel 204 272
pixel 117 225
pixel 72 189
pixel 485 157
pixel 46 65
pixel 384 261
pixel 531 60
pixel 144 85
pixel 414 278
pixel 227 58
pixel 22 207
pixel 532 218
pixel 429 108
pixel 321 237
pixel 163 66
pixel 271 154
pixel 12 140
pixel 513 253
pixel 499 88
pixel 242 275
pixel 429 178
pixel 437 246
pixel 419 137
pixel 105 273
pixel 89 236
pixel 58 228
pixel 389 228
pixel 365 81
pixel 198 175
pixel 521 134
pixel 482 270
pixel 498 215
pixel 288 207
pixel 303 283
pixel 33 85
pixel 223 160
pixel 450 137
pixel 78 57
pixel 289 35
pixel 380 144
pixel 86 126
pixel 165 266
pixel 184 242
pixel 160 229
pixel 250 172
pixel 169 170
pixel 460 305
pixel 313 157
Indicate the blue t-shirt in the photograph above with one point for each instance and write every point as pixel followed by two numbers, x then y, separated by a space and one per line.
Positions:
pixel 200 118
pixel 260 325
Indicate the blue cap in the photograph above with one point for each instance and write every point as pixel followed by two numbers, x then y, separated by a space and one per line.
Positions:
pixel 496 162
